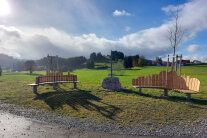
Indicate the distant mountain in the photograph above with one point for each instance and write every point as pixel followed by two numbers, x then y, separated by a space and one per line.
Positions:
pixel 9 62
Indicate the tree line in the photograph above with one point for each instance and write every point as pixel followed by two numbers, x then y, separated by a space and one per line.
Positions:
pixel 69 64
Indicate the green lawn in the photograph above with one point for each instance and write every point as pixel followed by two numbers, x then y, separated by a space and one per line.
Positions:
pixel 124 107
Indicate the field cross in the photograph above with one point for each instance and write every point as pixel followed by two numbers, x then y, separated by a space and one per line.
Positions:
pixel 111 65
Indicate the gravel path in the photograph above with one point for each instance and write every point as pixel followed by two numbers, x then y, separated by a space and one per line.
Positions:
pixel 106 129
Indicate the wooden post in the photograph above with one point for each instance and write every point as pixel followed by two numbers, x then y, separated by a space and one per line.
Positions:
pixel 176 64
pixel 172 65
pixel 168 60
pixel 168 63
pixel 140 91
pixel 35 89
pixel 180 65
pixel 54 85
pixel 188 97
pixel 165 92
pixel 75 85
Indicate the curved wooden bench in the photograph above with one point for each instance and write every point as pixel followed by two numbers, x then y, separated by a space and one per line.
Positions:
pixel 168 81
pixel 54 78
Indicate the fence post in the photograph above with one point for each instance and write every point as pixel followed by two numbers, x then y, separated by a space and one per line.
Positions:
pixel 180 65
pixel 176 64
pixel 54 86
pixel 35 89
pixel 165 92
pixel 140 91
pixel 75 85
pixel 172 66
pixel 188 97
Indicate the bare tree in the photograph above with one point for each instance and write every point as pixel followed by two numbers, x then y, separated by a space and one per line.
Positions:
pixel 30 66
pixel 176 31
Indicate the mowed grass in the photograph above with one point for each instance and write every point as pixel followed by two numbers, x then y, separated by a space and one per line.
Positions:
pixel 125 107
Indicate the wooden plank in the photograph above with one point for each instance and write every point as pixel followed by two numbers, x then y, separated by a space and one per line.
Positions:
pixel 150 81
pixel 156 80
pixel 190 84
pixel 174 81
pixel 174 85
pixel 181 82
pixel 182 79
pixel 187 82
pixel 198 86
pixel 136 82
pixel 170 80
pixel 133 82
pixel 160 79
pixel 184 84
pixel 193 84
pixel 142 81
pixel 71 77
pixel 196 83
pixel 146 81
pixel 177 81
pixel 153 80
pixel 164 78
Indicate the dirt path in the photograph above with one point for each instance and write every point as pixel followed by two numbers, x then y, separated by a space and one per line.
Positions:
pixel 20 127
pixel 198 70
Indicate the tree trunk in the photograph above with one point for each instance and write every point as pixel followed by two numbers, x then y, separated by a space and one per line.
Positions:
pixel 30 72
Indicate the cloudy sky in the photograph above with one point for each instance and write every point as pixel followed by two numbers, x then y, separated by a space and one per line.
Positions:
pixel 31 29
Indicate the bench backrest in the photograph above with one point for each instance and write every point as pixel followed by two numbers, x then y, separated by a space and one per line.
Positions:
pixel 167 80
pixel 54 77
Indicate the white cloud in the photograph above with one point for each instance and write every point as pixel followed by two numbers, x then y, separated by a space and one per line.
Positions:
pixel 172 8
pixel 202 58
pixel 127 28
pixel 193 48
pixel 70 15
pixel 121 13
pixel 36 42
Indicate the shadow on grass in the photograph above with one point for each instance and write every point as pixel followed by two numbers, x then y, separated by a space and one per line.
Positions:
pixel 33 74
pixel 133 69
pixel 100 68
pixel 78 98
pixel 170 98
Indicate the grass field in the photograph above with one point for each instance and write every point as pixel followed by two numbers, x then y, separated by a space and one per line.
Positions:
pixel 124 107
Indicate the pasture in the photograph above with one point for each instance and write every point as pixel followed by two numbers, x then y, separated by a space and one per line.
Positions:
pixel 125 107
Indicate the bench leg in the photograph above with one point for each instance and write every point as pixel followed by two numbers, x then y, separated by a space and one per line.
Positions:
pixel 35 89
pixel 75 85
pixel 54 86
pixel 165 92
pixel 140 91
pixel 188 97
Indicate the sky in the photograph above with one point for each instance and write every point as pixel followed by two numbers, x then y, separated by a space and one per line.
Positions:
pixel 31 29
